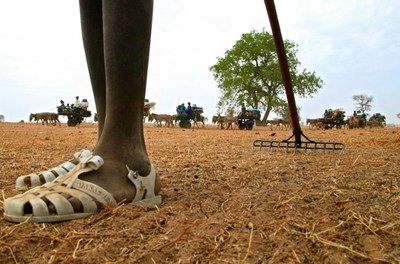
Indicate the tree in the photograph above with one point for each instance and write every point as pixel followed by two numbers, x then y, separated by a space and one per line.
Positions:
pixel 249 75
pixel 363 102
pixel 398 115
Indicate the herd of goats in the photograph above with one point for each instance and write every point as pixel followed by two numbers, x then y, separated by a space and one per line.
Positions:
pixel 229 122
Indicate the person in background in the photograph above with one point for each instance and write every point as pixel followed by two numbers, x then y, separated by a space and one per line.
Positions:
pixel 77 102
pixel 181 109
pixel 84 104
pixel 62 107
pixel 326 113
pixel 189 110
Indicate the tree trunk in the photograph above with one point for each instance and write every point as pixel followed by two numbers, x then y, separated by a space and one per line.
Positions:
pixel 265 117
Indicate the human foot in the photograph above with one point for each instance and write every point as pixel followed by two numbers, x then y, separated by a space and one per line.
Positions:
pixel 25 182
pixel 69 197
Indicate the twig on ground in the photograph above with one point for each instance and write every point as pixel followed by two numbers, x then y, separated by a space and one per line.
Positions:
pixel 360 219
pixel 295 256
pixel 177 238
pixel 250 240
pixel 355 161
pixel 337 245
pixel 201 209
pixel 76 249
pixel 12 254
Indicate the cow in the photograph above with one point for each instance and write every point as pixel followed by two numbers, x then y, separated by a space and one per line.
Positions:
pixel 219 120
pixel 158 119
pixel 45 117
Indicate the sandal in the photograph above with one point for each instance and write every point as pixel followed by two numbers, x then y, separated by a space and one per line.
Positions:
pixel 25 182
pixel 51 202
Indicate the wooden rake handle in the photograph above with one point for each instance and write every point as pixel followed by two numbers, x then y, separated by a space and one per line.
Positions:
pixel 283 63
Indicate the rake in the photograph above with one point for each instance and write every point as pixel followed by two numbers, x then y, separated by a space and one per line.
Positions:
pixel 289 143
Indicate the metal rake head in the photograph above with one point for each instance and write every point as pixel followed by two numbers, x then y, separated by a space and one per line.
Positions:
pixel 309 146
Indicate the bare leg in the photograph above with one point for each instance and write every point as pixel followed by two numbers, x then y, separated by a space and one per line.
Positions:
pixel 92 34
pixel 127 32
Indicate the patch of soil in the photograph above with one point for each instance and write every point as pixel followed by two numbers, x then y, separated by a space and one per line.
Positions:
pixel 222 201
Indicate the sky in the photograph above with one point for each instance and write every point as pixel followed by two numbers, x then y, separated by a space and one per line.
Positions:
pixel 352 45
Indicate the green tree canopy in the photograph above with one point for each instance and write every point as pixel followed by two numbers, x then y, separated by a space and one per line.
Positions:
pixel 363 102
pixel 249 75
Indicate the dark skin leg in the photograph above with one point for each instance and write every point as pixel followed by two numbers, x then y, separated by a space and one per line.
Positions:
pixel 92 34
pixel 116 36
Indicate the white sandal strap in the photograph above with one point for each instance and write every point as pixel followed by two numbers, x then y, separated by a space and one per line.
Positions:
pixel 49 175
pixel 95 191
pixel 144 185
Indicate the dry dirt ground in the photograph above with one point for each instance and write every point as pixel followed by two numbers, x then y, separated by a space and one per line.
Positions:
pixel 222 201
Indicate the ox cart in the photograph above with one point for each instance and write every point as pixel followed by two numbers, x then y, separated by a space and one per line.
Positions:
pixel 331 119
pixel 184 118
pixel 248 118
pixel 357 120
pixel 376 120
pixel 334 118
pixel 75 115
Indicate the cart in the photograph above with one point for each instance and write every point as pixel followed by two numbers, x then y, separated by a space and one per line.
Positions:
pixel 248 118
pixel 75 115
pixel 184 119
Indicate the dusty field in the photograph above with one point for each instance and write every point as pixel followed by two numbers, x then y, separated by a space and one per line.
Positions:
pixel 222 202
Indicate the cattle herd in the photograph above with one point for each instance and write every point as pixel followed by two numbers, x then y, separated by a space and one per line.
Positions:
pixel 335 120
pixel 45 117
pixel 222 122
pixel 172 120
